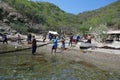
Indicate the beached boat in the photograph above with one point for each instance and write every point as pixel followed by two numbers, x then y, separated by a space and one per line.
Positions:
pixel 84 45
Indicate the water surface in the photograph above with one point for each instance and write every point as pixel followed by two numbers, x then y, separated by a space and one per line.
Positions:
pixel 42 66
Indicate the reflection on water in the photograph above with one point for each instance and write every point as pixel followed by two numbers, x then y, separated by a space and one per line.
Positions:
pixel 25 66
pixel 53 59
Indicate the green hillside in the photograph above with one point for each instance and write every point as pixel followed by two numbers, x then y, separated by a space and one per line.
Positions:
pixel 108 16
pixel 51 17
pixel 48 15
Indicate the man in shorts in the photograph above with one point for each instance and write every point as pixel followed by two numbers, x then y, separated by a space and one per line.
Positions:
pixel 55 43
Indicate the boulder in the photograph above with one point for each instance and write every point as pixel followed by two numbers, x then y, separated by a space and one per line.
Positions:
pixel 12 16
pixel 6 21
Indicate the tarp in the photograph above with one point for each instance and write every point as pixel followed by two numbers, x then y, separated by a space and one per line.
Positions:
pixel 53 32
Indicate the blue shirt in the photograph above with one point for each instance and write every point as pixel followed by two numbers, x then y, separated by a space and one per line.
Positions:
pixel 55 41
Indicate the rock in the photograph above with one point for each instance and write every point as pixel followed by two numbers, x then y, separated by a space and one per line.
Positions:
pixel 12 15
pixel 6 29
pixel 6 21
pixel 9 14
pixel 20 19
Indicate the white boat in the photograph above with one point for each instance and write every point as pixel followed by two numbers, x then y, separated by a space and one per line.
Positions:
pixel 84 45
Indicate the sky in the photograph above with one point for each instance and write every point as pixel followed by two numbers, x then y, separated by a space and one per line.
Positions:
pixel 79 6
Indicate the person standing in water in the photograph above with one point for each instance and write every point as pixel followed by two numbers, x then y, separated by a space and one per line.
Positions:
pixel 29 37
pixel 34 45
pixel 71 39
pixel 19 39
pixel 5 40
pixel 63 43
pixel 89 38
pixel 54 46
pixel 44 37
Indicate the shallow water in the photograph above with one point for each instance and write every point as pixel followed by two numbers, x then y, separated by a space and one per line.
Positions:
pixel 42 66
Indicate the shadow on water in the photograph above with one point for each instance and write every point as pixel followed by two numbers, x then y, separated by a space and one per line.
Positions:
pixel 53 59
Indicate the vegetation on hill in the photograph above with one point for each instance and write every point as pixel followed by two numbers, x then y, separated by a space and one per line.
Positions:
pixel 47 15
pixel 108 16
pixel 50 17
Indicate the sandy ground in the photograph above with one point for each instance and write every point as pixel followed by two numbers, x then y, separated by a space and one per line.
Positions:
pixel 97 57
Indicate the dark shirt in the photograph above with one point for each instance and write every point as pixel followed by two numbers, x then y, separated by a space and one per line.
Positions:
pixel 4 37
pixel 34 42
pixel 71 38
pixel 29 37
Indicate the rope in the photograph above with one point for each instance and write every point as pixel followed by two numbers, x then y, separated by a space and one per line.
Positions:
pixel 2 52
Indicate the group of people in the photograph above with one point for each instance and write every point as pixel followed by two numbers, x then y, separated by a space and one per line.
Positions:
pixel 5 39
pixel 53 38
pixel 71 39
pixel 30 39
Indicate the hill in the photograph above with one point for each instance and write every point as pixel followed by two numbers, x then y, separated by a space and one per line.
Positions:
pixel 28 16
pixel 108 16
pixel 42 15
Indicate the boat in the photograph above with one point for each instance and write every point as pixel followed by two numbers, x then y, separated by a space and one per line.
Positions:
pixel 84 45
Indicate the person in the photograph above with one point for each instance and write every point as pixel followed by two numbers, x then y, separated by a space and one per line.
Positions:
pixel 29 37
pixel 89 38
pixel 70 41
pixel 63 43
pixel 19 39
pixel 44 37
pixel 55 43
pixel 34 45
pixel 5 40
pixel 50 36
pixel 77 39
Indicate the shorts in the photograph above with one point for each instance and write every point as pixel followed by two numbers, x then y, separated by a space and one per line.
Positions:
pixel 54 47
